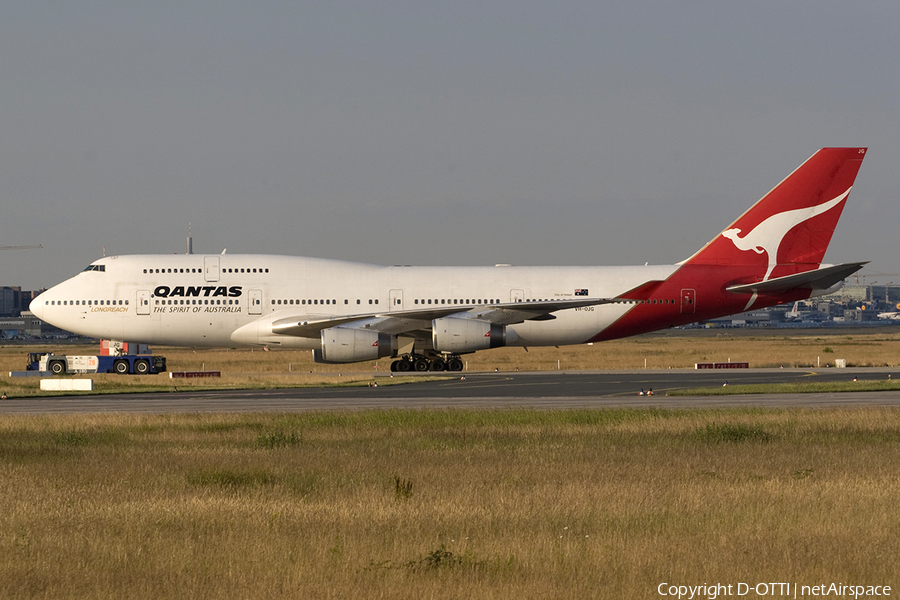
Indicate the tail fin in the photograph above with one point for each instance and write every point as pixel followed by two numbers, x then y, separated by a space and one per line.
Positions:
pixel 788 230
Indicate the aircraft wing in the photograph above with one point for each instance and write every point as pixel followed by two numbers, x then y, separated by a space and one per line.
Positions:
pixel 817 279
pixel 402 321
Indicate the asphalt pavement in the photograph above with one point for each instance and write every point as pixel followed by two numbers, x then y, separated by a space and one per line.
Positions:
pixel 546 390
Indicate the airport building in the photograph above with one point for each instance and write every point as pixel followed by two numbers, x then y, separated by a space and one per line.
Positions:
pixel 17 322
pixel 26 325
pixel 884 294
pixel 9 300
pixel 859 315
pixel 849 293
pixel 13 301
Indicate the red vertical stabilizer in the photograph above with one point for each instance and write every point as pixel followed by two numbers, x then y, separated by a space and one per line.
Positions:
pixel 770 255
pixel 789 229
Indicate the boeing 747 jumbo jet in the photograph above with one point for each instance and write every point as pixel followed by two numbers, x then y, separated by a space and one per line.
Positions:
pixel 427 317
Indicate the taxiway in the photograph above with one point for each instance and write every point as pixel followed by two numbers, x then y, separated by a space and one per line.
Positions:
pixel 545 390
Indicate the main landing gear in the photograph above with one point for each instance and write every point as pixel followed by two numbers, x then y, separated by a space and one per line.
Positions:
pixel 417 362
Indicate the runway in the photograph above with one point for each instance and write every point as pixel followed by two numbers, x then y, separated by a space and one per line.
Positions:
pixel 543 390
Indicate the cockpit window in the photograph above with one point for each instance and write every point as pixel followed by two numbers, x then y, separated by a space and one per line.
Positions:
pixel 95 268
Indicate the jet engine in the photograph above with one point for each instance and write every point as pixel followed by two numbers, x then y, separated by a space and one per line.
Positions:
pixel 451 334
pixel 344 345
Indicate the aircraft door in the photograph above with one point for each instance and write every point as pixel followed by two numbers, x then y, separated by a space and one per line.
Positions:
pixel 517 295
pixel 211 268
pixel 396 299
pixel 688 302
pixel 255 302
pixel 143 302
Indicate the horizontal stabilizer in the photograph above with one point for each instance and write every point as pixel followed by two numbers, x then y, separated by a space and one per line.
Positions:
pixel 817 279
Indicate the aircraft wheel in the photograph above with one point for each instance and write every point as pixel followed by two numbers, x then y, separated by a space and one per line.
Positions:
pixel 121 367
pixel 57 367
pixel 454 364
pixel 421 364
pixel 142 367
pixel 438 365
pixel 403 365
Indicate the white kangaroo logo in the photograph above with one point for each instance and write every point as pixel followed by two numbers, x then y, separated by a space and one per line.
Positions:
pixel 768 235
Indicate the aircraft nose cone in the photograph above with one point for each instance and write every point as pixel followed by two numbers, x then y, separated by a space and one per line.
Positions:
pixel 37 307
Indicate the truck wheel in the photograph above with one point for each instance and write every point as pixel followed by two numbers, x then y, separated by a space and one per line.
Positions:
pixel 121 367
pixel 141 367
pixel 57 367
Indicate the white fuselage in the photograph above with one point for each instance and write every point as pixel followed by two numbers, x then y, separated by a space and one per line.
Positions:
pixel 216 300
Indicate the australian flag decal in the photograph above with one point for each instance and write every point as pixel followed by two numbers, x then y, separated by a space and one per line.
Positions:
pixel 581 292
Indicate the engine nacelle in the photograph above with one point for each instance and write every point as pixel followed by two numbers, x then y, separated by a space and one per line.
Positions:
pixel 344 345
pixel 450 334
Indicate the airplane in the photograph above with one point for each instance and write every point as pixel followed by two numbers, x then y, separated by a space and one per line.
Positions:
pixel 427 318
pixel 794 314
pixel 893 315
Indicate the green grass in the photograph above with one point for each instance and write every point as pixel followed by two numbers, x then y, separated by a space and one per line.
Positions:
pixel 726 432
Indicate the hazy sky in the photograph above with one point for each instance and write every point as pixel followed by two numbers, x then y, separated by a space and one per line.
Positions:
pixel 443 133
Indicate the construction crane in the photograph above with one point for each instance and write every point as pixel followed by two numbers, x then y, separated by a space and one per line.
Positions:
pixel 20 247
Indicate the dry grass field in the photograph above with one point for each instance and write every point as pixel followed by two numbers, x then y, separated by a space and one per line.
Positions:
pixel 452 504
pixel 445 504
